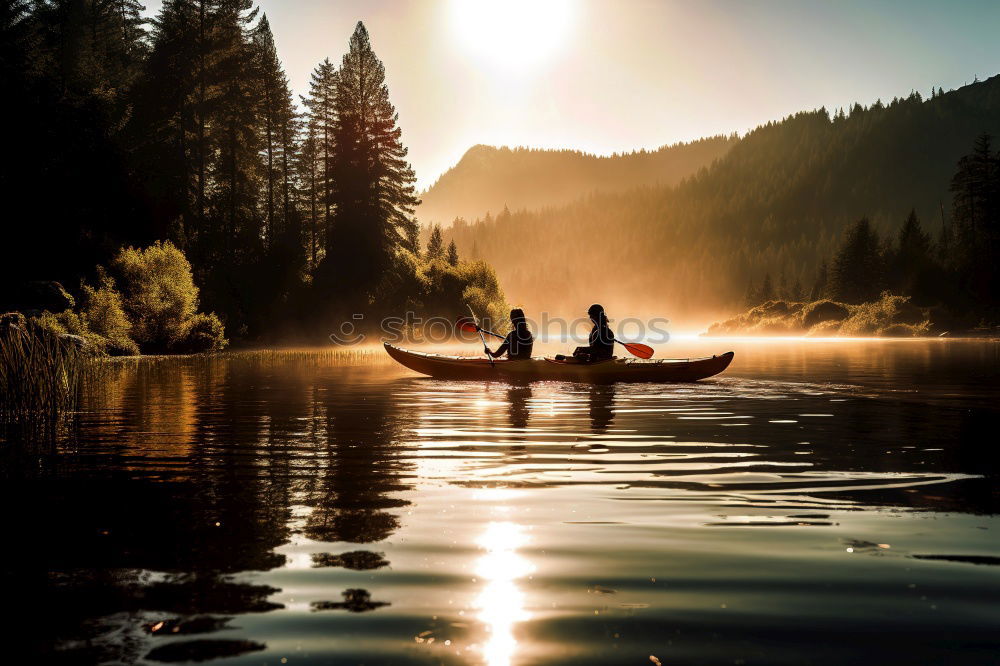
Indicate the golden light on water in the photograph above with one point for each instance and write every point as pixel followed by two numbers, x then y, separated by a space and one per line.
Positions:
pixel 511 34
pixel 501 603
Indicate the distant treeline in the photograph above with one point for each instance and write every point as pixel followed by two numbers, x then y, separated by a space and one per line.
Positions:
pixel 123 132
pixel 489 179
pixel 777 202
pixel 957 269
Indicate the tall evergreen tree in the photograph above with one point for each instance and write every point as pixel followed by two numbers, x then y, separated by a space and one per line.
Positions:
pixel 913 261
pixel 374 185
pixel 976 220
pixel 321 126
pixel 820 285
pixel 857 274
pixel 237 164
pixel 452 254
pixel 307 169
pixel 435 245
pixel 766 292
pixel 750 297
pixel 277 120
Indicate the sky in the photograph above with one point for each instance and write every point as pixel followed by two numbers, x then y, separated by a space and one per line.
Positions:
pixel 605 76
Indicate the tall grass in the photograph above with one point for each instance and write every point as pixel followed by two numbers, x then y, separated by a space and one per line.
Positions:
pixel 41 376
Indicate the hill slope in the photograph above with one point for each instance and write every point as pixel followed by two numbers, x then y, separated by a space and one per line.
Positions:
pixel 486 178
pixel 776 202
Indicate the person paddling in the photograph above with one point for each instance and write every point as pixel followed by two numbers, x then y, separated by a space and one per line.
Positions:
pixel 602 339
pixel 518 343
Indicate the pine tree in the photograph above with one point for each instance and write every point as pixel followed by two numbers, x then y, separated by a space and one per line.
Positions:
pixel 796 294
pixel 766 292
pixel 857 275
pixel 452 253
pixel 435 245
pixel 750 297
pixel 413 237
pixel 277 117
pixel 976 221
pixel 236 165
pixel 820 285
pixel 307 168
pixel 321 122
pixel 912 258
pixel 374 185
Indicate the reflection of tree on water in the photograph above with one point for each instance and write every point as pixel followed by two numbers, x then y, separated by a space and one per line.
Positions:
pixel 517 399
pixel 360 467
pixel 602 413
pixel 355 601
pixel 195 526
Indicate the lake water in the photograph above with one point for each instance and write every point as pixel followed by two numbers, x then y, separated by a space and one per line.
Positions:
pixel 819 503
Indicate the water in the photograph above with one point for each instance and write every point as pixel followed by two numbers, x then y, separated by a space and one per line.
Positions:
pixel 820 503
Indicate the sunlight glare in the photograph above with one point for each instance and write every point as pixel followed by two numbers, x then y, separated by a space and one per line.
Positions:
pixel 501 603
pixel 511 34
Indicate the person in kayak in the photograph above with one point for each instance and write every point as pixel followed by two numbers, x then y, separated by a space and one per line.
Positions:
pixel 602 340
pixel 519 342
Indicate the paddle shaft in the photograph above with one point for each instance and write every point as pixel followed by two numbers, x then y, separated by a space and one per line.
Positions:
pixel 481 336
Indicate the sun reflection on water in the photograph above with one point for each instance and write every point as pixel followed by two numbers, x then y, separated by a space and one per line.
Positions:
pixel 501 603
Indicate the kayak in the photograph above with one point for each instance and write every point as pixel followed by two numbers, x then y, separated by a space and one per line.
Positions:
pixel 550 369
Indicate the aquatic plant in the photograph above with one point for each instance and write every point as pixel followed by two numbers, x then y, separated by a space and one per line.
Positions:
pixel 40 378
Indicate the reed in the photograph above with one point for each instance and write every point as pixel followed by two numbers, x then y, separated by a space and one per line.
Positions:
pixel 41 377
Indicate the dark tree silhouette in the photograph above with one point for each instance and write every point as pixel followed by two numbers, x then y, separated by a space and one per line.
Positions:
pixel 374 195
pixel 857 273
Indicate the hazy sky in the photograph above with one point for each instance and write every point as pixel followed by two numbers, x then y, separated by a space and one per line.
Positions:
pixel 616 75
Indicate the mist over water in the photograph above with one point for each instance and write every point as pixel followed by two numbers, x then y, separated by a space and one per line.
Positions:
pixel 331 507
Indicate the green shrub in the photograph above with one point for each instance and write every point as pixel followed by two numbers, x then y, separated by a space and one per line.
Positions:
pixel 904 330
pixel 104 315
pixel 820 311
pixel 824 329
pixel 159 294
pixel 205 333
pixel 890 316
pixel 870 318
pixel 776 325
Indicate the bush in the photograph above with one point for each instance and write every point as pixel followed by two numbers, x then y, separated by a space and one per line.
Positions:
pixel 159 293
pixel 888 316
pixel 104 315
pixel 820 311
pixel 904 330
pixel 205 333
pixel 776 326
pixel 824 329
pixel 877 316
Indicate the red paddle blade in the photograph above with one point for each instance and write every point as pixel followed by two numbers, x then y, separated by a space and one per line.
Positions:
pixel 638 349
pixel 467 325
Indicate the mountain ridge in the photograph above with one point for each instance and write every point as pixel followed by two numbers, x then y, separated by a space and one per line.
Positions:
pixel 776 202
pixel 488 178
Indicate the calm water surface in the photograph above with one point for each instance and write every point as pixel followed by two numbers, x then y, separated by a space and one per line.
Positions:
pixel 820 503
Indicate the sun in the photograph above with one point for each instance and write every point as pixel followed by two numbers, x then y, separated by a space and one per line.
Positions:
pixel 511 34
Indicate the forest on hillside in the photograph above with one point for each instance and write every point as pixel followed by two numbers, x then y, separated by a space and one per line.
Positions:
pixel 127 132
pixel 488 179
pixel 777 203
